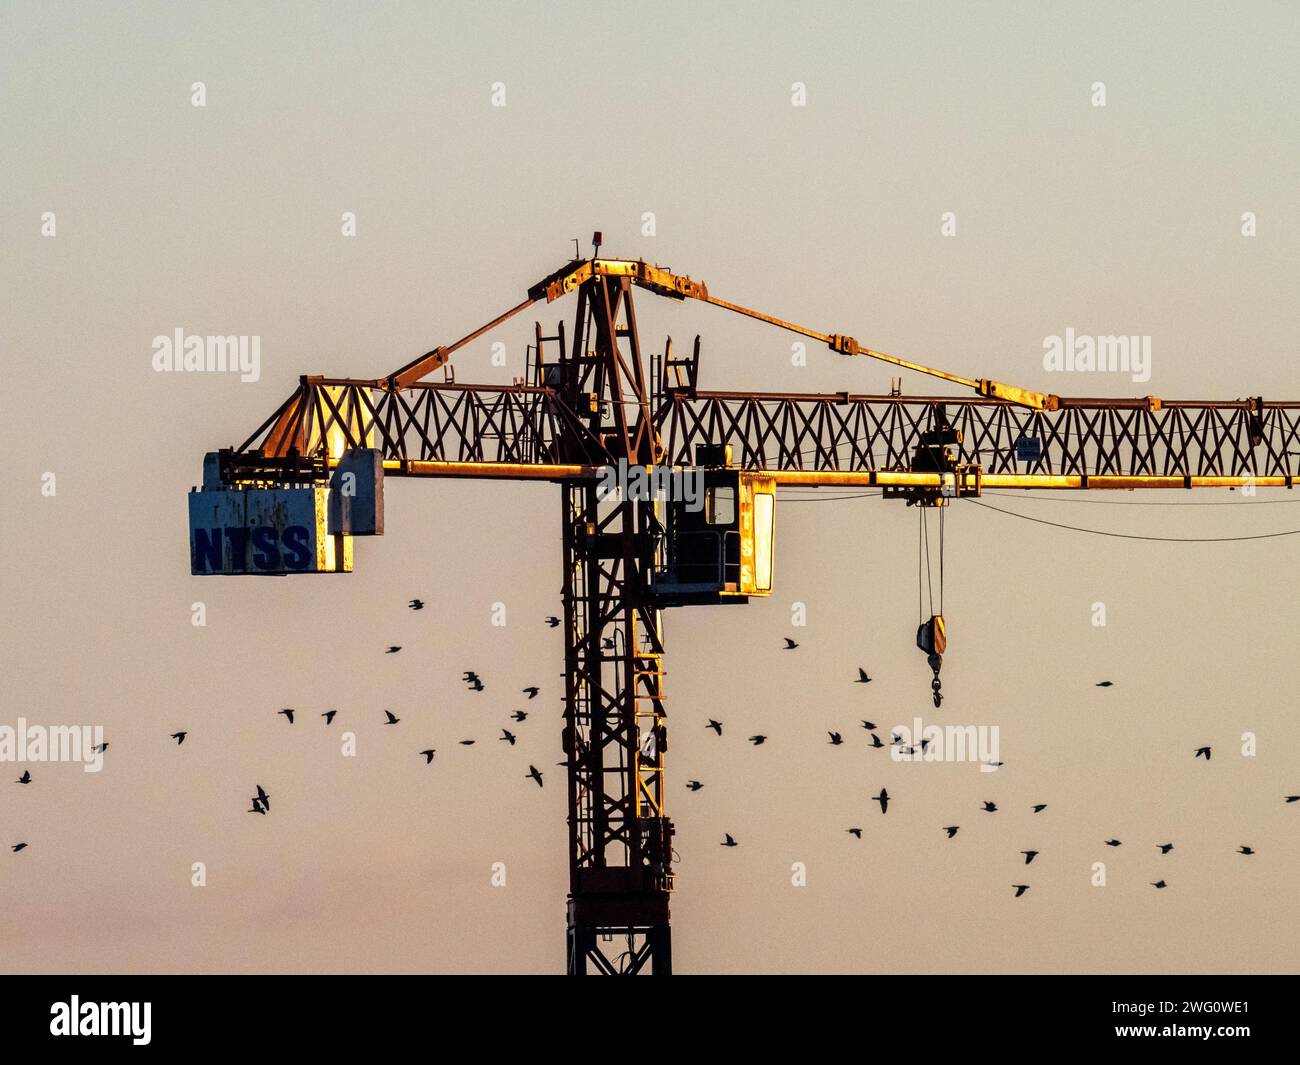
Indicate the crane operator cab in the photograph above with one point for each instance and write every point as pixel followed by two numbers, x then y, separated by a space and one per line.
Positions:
pixel 717 547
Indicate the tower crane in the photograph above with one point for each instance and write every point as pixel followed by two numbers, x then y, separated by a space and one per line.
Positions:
pixel 291 497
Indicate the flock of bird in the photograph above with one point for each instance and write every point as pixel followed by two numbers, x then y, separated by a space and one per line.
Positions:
pixel 261 801
pixel 836 739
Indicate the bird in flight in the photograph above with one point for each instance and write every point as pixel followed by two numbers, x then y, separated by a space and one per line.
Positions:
pixel 1020 889
pixel 855 832
pixel 1105 684
pixel 329 716
pixel 535 774
pixel 758 741
pixel 1114 842
pixel 391 718
pixel 1293 798
pixel 870 726
pixel 1165 848
pixel 393 649
pixel 26 778
pixel 1039 807
pixel 1246 850
pixel 467 743
pixel 263 798
pixel 883 799
pixel 476 685
pixel 428 756
pixel 257 808
pixel 1159 884
pixel 790 645
pixel 416 604
pixel 552 621
pixel 990 807
pixel 608 643
pixel 100 748
pixel 836 738
pixel 1029 856
pixel 531 691
pixel 876 741
pixel 952 830
pixel 694 785
pixel 287 712
pixel 519 715
pixel 1202 752
pixel 728 842
pixel 715 725
pixel 996 765
pixel 508 736
pixel 862 677
pixel 18 846
pixel 179 737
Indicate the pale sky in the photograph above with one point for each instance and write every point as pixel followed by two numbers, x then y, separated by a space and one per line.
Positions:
pixel 226 219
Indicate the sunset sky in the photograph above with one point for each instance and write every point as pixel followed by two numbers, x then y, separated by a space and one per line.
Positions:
pixel 226 219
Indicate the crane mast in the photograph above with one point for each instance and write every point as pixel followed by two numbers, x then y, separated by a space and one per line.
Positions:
pixel 592 399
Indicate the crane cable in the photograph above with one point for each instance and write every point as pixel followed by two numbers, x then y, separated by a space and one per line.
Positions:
pixel 1134 536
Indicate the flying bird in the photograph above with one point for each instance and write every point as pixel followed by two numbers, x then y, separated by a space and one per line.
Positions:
pixel 694 785
pixel 256 808
pixel 883 799
pixel 990 807
pixel 1020 889
pixel 1029 856
pixel 428 756
pixel 508 736
pixel 531 691
pixel 790 645
pixel 1293 798
pixel 416 604
pixel 875 741
pixel 26 778
pixel 552 621
pixel 1246 850
pixel 1202 752
pixel 836 738
pixel 952 830
pixel 519 715
pixel 468 743
pixel 100 748
pixel 1105 684
pixel 393 649
pixel 476 685
pixel 758 741
pixel 17 847
pixel 263 797
pixel 728 842
pixel 288 712
pixel 391 718
pixel 856 832
pixel 1165 848
pixel 862 677
pixel 535 774
pixel 715 725
pixel 870 726
pixel 1040 807
pixel 179 737
pixel 1114 842
pixel 1159 884
pixel 329 716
